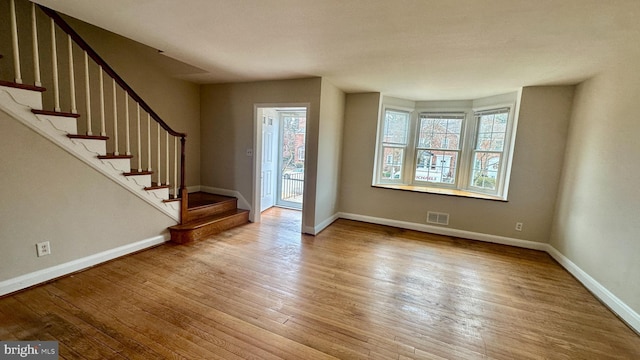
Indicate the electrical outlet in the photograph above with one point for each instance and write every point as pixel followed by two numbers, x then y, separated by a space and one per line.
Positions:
pixel 518 226
pixel 43 248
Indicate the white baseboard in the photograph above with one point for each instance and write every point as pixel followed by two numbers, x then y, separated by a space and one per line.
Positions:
pixel 242 202
pixel 616 305
pixel 194 188
pixel 41 276
pixel 323 225
pixel 447 231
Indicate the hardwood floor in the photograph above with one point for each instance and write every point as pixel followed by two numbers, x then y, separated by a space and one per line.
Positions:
pixel 355 291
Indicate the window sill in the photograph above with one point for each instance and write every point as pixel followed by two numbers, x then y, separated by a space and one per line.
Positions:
pixel 440 191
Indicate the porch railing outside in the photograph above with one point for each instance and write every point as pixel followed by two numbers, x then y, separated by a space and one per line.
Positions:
pixel 292 187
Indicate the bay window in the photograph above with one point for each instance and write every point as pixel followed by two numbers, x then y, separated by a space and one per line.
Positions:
pixel 456 150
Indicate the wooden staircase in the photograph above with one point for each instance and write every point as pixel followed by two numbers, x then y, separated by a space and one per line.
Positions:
pixel 112 116
pixel 207 215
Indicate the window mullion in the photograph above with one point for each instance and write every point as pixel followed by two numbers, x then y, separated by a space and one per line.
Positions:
pixel 410 160
pixel 468 144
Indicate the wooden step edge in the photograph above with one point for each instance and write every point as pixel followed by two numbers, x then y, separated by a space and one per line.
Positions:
pixel 22 86
pixel 213 204
pixel 209 220
pixel 155 186
pixel 112 156
pixel 87 137
pixel 54 113
pixel 171 199
pixel 137 173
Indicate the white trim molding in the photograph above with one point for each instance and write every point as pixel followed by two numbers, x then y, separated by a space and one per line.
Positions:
pixel 242 202
pixel 622 310
pixel 194 188
pixel 447 231
pixel 38 277
pixel 315 230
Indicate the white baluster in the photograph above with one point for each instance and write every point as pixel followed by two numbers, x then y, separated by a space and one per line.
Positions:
pixel 115 119
pixel 175 166
pixel 148 142
pixel 126 116
pixel 36 52
pixel 159 158
pixel 54 63
pixel 72 77
pixel 139 154
pixel 14 42
pixel 87 92
pixel 167 158
pixel 103 128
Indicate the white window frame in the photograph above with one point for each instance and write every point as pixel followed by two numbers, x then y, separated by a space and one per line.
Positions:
pixel 462 183
pixel 416 134
pixel 381 145
pixel 506 152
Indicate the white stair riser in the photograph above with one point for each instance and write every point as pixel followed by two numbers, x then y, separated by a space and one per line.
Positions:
pixel 162 194
pixel 29 98
pixel 65 124
pixel 98 147
pixel 140 180
pixel 123 165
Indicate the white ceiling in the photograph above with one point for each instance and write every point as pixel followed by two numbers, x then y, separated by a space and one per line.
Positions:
pixel 415 49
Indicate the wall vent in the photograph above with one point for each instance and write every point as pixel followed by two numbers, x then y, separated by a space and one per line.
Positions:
pixel 437 218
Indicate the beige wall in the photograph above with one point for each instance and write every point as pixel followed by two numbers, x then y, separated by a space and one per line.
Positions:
pixel 227 127
pixel 49 195
pixel 330 151
pixel 597 219
pixel 543 122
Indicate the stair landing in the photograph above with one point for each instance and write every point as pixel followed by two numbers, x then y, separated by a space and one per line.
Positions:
pixel 207 215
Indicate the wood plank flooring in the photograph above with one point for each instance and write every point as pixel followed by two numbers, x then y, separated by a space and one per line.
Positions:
pixel 355 291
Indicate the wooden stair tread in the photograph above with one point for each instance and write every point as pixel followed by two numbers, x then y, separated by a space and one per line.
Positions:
pixel 112 156
pixel 208 220
pixel 87 137
pixel 155 186
pixel 136 173
pixel 172 199
pixel 201 199
pixel 54 113
pixel 22 86
pixel 203 206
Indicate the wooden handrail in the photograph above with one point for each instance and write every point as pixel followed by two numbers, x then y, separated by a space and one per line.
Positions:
pixel 62 24
pixel 94 55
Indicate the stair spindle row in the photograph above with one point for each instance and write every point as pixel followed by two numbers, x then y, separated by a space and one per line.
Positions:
pixel 90 59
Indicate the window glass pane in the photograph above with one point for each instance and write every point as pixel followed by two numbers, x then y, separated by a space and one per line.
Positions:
pixel 440 131
pixel 392 163
pixel 492 128
pixel 436 166
pixel 396 126
pixel 485 170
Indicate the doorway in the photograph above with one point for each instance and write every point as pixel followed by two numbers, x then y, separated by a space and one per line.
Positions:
pixel 282 156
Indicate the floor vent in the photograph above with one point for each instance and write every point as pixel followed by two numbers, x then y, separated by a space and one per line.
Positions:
pixel 437 218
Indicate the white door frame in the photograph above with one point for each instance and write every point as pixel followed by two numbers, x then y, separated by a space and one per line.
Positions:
pixel 254 215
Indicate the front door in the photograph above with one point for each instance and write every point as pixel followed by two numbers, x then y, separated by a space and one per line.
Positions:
pixel 269 173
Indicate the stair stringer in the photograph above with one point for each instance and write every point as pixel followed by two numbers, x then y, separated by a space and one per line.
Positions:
pixel 18 103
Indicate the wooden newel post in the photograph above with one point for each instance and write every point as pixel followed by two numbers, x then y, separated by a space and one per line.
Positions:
pixel 184 205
